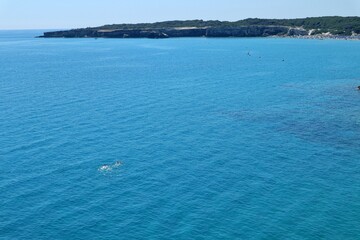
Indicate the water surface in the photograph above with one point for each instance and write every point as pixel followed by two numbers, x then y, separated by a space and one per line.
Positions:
pixel 213 143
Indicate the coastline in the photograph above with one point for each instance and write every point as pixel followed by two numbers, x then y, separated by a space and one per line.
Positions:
pixel 322 37
pixel 338 28
pixel 310 37
pixel 243 32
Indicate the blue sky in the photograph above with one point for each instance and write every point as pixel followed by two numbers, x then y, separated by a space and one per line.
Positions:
pixel 56 14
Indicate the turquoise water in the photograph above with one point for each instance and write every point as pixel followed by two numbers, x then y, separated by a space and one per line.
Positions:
pixel 213 143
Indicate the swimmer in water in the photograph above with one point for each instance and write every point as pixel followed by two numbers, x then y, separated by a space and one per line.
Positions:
pixel 108 168
pixel 117 164
pixel 105 167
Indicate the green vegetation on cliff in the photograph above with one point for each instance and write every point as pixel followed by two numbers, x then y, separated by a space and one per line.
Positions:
pixel 338 27
pixel 334 25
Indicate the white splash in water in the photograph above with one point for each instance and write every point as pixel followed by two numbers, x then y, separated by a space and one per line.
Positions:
pixel 109 167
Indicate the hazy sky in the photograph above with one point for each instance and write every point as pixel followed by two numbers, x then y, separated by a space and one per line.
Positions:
pixel 56 14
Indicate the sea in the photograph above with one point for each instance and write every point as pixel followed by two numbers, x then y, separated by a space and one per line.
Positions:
pixel 182 138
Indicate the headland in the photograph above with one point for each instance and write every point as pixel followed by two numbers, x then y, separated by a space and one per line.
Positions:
pixel 317 28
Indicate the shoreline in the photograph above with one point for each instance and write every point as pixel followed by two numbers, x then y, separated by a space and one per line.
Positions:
pixel 339 28
pixel 321 37
pixel 340 38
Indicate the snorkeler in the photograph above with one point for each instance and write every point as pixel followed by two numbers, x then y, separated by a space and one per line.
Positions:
pixel 105 167
pixel 117 164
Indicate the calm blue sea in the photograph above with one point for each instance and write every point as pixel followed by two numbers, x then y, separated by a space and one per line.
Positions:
pixel 214 138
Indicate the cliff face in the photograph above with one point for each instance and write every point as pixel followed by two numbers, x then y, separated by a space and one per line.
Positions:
pixel 246 31
pixel 338 27
pixel 251 31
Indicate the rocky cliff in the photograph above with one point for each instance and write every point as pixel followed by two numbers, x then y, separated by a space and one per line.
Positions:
pixel 341 27
pixel 245 31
